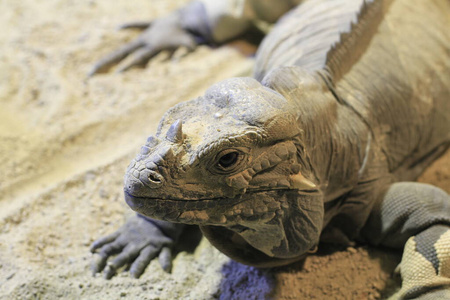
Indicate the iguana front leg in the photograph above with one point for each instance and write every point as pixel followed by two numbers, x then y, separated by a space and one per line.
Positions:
pixel 417 216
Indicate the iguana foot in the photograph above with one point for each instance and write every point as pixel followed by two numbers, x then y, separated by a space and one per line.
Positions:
pixel 185 27
pixel 137 243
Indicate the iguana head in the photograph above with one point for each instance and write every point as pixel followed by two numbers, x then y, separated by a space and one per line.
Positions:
pixel 232 158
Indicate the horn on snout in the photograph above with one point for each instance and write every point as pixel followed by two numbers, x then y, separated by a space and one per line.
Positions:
pixel 175 132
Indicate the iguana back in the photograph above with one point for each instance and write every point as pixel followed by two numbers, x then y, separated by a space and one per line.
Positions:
pixel 392 69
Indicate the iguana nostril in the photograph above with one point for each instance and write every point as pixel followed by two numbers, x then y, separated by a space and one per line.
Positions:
pixel 153 178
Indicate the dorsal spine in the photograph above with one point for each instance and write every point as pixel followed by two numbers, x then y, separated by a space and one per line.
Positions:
pixel 352 45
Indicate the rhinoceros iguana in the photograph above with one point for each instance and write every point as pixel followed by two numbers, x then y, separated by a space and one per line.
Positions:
pixel 349 101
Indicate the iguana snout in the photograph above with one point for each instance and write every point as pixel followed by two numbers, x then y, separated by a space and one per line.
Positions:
pixel 146 172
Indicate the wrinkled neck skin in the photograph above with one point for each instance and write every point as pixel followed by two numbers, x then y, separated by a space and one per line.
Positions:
pixel 336 140
pixel 250 163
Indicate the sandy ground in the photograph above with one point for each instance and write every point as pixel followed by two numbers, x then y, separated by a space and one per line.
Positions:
pixel 65 142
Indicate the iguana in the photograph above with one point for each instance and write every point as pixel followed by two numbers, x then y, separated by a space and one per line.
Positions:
pixel 349 102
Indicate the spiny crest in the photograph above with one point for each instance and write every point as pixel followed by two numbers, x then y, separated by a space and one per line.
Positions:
pixel 352 45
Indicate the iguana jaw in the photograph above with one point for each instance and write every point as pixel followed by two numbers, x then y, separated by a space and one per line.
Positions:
pixel 266 220
pixel 217 211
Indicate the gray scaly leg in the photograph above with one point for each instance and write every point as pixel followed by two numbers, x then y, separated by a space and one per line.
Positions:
pixel 416 216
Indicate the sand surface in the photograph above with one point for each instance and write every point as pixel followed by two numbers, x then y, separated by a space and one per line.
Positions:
pixel 65 142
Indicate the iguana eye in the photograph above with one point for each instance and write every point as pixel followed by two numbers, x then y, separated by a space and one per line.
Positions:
pixel 228 160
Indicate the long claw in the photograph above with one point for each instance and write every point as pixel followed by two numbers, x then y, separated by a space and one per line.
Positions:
pixel 134 25
pixel 109 60
pixel 109 272
pixel 141 57
pixel 103 241
pixel 98 264
pixel 144 258
pixel 111 249
pixel 165 259
pixel 127 255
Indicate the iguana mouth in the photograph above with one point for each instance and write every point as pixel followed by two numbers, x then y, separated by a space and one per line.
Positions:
pixel 217 211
